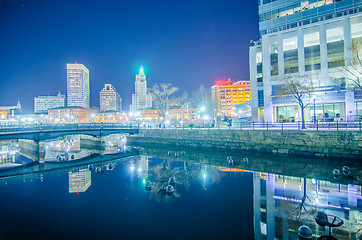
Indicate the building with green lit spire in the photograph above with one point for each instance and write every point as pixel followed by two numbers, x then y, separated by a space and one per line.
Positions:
pixel 141 99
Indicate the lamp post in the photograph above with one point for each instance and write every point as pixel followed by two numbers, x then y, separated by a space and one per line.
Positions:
pixel 314 117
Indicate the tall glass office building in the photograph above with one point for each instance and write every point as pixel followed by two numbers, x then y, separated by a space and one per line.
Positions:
pixel 316 41
pixel 78 92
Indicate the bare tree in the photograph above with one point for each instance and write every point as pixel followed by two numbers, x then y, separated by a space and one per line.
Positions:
pixel 160 94
pixel 302 206
pixel 353 71
pixel 184 100
pixel 201 96
pixel 300 87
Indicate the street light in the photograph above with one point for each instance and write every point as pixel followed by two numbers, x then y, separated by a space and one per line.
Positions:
pixel 314 117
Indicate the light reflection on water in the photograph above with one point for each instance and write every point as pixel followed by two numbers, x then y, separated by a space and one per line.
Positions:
pixel 263 198
pixel 14 153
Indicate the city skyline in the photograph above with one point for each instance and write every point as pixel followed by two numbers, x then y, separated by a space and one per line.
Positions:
pixel 170 46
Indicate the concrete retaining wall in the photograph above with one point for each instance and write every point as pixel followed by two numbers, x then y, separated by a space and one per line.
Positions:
pixel 320 144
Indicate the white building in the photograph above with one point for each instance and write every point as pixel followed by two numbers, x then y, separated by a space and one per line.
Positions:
pixel 43 103
pixel 311 40
pixel 110 99
pixel 141 99
pixel 79 180
pixel 78 93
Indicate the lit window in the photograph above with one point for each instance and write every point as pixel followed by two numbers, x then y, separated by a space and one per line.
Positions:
pixel 290 44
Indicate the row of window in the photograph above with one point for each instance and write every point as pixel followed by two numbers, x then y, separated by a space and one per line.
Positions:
pixel 335 54
pixel 239 94
pixel 310 21
pixel 234 90
pixel 291 9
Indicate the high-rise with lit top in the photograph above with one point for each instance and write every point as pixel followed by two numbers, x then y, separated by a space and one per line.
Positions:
pixel 78 92
pixel 141 99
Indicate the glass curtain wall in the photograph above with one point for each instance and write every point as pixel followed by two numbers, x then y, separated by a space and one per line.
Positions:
pixel 259 67
pixel 290 46
pixel 312 51
pixel 292 9
pixel 356 30
pixel 274 59
pixel 260 98
pixel 335 47
pixel 358 111
pixel 286 113
pixel 327 112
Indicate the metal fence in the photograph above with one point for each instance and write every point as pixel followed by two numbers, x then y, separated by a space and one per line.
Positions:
pixel 235 125
pixel 63 126
pixel 250 125
pixel 337 126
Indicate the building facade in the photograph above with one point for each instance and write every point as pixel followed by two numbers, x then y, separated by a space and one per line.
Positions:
pixel 71 114
pixel 312 41
pixel 226 94
pixel 110 99
pixel 43 103
pixel 78 92
pixel 7 112
pixel 110 116
pixel 141 99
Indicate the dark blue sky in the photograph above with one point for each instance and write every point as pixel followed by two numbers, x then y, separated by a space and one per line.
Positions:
pixel 186 43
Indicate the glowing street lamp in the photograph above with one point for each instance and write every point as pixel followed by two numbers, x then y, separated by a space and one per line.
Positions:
pixel 314 117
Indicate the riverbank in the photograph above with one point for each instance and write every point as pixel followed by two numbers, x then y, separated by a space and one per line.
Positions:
pixel 257 162
pixel 319 144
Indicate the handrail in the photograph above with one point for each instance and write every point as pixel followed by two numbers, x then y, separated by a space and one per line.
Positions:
pixel 235 125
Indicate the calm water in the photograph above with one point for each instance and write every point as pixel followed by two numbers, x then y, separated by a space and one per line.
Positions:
pixel 116 197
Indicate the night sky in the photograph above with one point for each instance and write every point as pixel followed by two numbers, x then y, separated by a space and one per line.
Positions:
pixel 186 43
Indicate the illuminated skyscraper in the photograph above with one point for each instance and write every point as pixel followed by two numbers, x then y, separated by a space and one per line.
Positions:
pixel 78 93
pixel 110 99
pixel 141 99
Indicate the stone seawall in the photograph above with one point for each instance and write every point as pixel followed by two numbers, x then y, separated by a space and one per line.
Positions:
pixel 320 144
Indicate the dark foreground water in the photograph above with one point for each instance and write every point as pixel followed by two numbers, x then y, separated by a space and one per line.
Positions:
pixel 262 197
pixel 117 206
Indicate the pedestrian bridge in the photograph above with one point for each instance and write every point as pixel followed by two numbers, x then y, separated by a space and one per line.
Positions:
pixel 42 132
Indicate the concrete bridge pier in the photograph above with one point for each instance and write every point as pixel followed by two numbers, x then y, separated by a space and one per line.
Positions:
pixel 32 149
pixel 95 144
pixel 41 152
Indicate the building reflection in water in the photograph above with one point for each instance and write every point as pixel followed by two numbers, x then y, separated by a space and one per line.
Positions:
pixel 115 144
pixel 9 154
pixel 79 179
pixel 142 166
pixel 139 167
pixel 65 149
pixel 282 204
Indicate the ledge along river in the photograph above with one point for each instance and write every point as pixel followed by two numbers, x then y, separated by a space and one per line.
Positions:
pixel 84 188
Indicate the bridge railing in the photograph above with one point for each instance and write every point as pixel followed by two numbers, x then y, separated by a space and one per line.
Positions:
pixel 64 126
pixel 236 125
pixel 297 125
